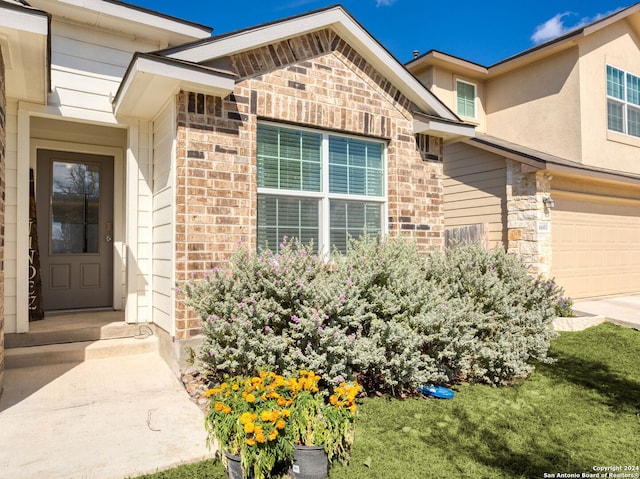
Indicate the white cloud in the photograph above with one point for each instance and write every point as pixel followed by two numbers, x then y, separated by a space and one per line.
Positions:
pixel 552 28
pixel 385 3
pixel 555 27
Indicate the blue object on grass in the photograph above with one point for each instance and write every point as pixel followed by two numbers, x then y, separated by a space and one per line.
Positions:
pixel 437 391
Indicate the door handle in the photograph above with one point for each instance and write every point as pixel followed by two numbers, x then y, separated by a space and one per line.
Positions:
pixel 108 238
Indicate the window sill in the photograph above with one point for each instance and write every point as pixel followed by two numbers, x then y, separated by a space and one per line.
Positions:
pixel 622 138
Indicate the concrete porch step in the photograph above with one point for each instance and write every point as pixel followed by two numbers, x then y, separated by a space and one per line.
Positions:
pixel 79 351
pixel 70 333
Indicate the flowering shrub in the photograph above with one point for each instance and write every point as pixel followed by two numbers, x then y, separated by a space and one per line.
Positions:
pixel 260 418
pixel 382 314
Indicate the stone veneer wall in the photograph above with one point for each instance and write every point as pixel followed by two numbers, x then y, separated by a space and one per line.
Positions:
pixel 528 220
pixel 317 81
pixel 3 117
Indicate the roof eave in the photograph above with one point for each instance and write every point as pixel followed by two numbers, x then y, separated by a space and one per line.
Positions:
pixel 151 81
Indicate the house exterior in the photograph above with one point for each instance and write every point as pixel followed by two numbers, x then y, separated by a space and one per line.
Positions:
pixel 158 149
pixel 553 173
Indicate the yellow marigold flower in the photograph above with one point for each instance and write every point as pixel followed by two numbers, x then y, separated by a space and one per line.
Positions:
pixel 226 409
pixel 340 404
pixel 263 374
pixel 211 392
pixel 249 427
pixel 273 434
pixel 235 387
pixel 281 424
pixel 250 397
pixel 303 372
pixel 353 408
pixel 333 399
pixel 223 386
pixel 258 429
pixel 218 406
pixel 282 402
pixel 265 415
pixel 286 413
pixel 261 438
pixel 245 417
pixel 251 441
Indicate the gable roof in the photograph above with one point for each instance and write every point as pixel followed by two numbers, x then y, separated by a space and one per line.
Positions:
pixel 334 17
pixel 531 55
pixel 437 118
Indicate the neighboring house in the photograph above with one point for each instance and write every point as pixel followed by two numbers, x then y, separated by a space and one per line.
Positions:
pixel 553 173
pixel 158 150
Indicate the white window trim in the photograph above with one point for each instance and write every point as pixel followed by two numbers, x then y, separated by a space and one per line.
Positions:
pixel 625 103
pixel 475 98
pixel 324 195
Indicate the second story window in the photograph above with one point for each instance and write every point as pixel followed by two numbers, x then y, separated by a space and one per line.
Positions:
pixel 623 102
pixel 466 98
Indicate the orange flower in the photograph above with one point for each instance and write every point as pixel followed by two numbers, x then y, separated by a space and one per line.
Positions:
pixel 218 406
pixel 226 409
pixel 273 435
pixel 280 424
pixel 261 438
pixel 249 427
pixel 333 399
pixel 250 398
pixel 251 441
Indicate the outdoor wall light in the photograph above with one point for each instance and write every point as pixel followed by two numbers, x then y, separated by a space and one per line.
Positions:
pixel 548 202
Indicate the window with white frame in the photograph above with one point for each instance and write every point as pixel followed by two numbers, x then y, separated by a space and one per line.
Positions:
pixel 466 95
pixel 318 186
pixel 623 102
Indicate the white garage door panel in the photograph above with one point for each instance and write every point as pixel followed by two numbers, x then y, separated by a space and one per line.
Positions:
pixel 596 246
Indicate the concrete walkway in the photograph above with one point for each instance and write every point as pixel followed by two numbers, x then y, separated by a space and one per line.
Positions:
pixel 99 419
pixel 624 310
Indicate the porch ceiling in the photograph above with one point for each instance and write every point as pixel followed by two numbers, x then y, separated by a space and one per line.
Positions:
pixel 151 81
pixel 24 39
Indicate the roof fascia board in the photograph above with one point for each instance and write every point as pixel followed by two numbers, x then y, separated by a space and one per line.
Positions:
pixel 450 131
pixel 174 76
pixel 345 26
pixel 100 9
pixel 435 57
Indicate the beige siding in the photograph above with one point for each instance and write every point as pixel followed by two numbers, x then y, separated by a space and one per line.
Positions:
pixel 87 65
pixel 538 106
pixel 162 251
pixel 620 48
pixel 475 190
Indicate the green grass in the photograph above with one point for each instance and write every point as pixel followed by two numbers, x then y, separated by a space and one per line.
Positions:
pixel 580 412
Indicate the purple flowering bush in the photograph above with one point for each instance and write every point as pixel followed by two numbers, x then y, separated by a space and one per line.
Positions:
pixel 382 313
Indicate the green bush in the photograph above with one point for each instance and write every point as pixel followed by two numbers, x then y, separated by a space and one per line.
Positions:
pixel 381 313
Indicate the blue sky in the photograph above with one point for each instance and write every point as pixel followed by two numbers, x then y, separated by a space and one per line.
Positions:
pixel 484 32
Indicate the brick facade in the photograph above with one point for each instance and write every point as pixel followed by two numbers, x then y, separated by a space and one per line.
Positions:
pixel 3 105
pixel 316 81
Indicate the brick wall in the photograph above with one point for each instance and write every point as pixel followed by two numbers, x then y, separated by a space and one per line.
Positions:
pixel 317 81
pixel 3 104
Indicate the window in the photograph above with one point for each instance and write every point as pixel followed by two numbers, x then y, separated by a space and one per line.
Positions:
pixel 466 94
pixel 623 102
pixel 318 187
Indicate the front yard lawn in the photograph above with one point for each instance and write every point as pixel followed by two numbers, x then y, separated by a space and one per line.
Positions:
pixel 569 417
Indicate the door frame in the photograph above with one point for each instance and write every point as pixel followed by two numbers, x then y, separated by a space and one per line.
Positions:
pixel 118 264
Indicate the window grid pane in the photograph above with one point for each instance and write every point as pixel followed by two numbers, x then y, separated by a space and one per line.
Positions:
pixel 615 116
pixel 633 89
pixel 615 83
pixel 466 99
pixel 289 159
pixel 280 217
pixel 355 167
pixel 633 121
pixel 353 219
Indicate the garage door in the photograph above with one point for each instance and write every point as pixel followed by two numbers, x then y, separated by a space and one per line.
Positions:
pixel 596 245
